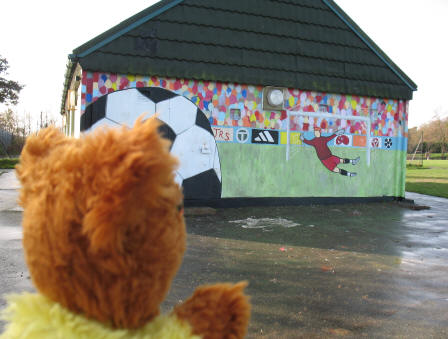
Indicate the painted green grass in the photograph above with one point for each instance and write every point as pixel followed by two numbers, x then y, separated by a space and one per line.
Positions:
pixel 8 163
pixel 431 179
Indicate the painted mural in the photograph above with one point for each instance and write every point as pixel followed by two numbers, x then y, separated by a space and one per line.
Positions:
pixel 185 125
pixel 240 105
pixel 243 133
pixel 330 161
pixel 249 170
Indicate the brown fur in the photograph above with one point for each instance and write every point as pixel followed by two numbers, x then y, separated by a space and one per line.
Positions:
pixel 102 231
pixel 217 311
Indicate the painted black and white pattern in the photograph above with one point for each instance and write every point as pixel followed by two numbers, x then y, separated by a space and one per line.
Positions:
pixel 184 124
pixel 388 143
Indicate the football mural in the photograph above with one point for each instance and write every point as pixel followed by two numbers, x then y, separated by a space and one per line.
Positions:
pixel 325 155
pixel 229 147
pixel 218 101
pixel 187 127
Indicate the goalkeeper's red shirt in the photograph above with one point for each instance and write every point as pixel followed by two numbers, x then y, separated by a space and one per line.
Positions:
pixel 320 145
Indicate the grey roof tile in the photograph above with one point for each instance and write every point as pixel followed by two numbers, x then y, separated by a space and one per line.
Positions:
pixel 306 44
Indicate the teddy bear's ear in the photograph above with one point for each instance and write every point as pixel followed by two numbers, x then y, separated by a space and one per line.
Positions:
pixel 42 143
pixel 36 158
pixel 34 161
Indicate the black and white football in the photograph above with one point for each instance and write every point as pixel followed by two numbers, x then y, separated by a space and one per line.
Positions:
pixel 183 123
pixel 388 142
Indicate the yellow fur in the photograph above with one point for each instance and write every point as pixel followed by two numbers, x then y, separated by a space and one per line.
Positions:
pixel 33 316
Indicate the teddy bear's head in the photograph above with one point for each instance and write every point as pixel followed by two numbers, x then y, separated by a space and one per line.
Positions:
pixel 103 231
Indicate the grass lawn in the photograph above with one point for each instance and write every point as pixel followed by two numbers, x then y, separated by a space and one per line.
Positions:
pixel 436 156
pixel 8 163
pixel 431 179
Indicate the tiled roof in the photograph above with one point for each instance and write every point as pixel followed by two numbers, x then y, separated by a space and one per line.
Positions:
pixel 306 44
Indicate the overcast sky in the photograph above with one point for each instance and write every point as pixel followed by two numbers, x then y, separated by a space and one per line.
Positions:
pixel 37 36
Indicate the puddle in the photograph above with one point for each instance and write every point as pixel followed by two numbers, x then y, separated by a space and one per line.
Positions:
pixel 10 233
pixel 266 224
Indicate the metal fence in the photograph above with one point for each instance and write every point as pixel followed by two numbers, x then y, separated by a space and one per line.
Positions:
pixel 5 141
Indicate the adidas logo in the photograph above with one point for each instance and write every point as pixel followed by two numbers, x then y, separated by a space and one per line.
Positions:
pixel 264 137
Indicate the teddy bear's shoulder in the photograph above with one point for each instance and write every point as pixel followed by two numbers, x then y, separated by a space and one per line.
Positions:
pixel 39 317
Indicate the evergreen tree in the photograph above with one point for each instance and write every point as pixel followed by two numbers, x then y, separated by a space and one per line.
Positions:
pixel 9 89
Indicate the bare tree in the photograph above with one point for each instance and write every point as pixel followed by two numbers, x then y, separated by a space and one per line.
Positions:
pixel 413 138
pixel 436 133
pixel 13 133
pixel 27 123
pixel 441 126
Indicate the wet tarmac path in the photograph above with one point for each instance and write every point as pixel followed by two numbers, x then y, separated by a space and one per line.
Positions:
pixel 369 270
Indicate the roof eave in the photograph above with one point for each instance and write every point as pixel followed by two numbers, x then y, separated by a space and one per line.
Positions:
pixel 70 70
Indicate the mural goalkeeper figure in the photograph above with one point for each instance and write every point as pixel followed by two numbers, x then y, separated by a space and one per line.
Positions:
pixel 324 154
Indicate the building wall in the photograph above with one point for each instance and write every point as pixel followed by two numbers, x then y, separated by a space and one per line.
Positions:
pixel 254 166
pixel 254 171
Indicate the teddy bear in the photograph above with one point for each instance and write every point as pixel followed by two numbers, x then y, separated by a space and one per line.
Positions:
pixel 103 236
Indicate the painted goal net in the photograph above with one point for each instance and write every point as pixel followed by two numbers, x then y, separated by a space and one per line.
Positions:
pixel 293 141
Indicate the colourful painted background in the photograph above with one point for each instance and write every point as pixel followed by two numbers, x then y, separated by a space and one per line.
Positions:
pixel 389 117
pixel 250 170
